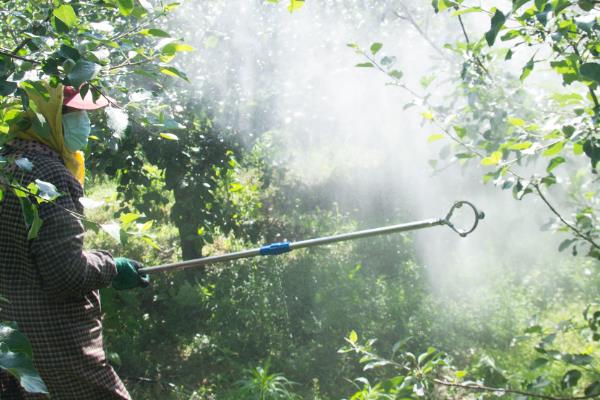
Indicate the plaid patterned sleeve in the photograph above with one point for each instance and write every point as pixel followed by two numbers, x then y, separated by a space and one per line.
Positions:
pixel 65 269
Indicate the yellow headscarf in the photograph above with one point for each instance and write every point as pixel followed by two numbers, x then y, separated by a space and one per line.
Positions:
pixel 48 103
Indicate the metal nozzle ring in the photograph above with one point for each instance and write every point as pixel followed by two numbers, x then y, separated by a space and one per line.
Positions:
pixel 479 215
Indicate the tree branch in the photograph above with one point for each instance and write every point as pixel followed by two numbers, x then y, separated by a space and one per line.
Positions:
pixel 21 45
pixel 560 217
pixel 128 63
pixel 482 388
pixel 477 59
pixel 408 17
pixel 10 54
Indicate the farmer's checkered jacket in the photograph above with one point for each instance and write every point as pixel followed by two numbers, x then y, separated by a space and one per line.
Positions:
pixel 52 284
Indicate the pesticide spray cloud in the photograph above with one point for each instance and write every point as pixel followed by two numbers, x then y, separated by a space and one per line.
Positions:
pixel 346 129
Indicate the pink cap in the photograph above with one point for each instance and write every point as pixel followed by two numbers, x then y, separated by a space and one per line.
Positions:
pixel 72 98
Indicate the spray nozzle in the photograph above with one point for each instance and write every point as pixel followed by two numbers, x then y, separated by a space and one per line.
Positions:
pixel 479 215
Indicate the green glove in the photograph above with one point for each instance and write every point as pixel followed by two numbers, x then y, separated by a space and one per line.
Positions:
pixel 128 276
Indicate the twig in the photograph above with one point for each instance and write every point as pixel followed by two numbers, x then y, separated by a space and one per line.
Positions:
pixel 408 17
pixel 21 45
pixel 396 81
pixel 592 93
pixel 477 59
pixel 128 63
pixel 559 216
pixel 482 388
pixel 10 54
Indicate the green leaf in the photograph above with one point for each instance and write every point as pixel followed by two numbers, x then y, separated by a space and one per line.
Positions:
pixel 586 5
pixel 520 146
pixel 171 6
pixel 555 162
pixel 7 88
pixel 538 362
pixel 66 14
pixel 560 5
pixel 20 366
pixel 590 71
pixel 554 149
pixel 570 379
pixel 83 71
pixel 396 74
pixel 515 121
pixel 527 69
pixel 461 132
pixel 151 242
pixel 510 35
pixel 534 329
pixel 497 22
pixel 434 137
pixel 580 359
pixel 353 337
pixel 46 190
pixel 35 227
pixel 30 215
pixel 169 136
pixel 172 71
pixel 518 4
pixel 127 218
pixel 521 188
pixel 295 5
pixel 155 32
pixel 466 11
pixel 593 389
pixel 428 115
pixel 442 5
pixel 91 226
pixel 365 65
pixel 492 159
pixel 14 340
pixel 566 244
pixel 388 61
pixel 375 47
pixel 169 50
pixel 125 7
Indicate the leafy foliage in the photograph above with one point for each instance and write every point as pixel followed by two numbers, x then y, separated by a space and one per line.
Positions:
pixel 495 119
pixel 15 358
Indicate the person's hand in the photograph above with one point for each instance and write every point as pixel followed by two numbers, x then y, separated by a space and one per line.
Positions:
pixel 128 275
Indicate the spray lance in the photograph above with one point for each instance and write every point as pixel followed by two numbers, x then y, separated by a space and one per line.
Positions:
pixel 285 247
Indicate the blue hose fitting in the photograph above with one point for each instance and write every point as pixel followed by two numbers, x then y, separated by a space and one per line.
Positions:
pixel 274 249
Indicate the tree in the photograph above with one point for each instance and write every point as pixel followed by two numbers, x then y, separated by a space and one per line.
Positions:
pixel 495 119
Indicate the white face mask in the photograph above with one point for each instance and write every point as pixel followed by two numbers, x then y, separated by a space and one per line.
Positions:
pixel 76 130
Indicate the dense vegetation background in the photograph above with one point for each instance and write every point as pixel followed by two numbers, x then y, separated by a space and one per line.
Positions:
pixel 241 123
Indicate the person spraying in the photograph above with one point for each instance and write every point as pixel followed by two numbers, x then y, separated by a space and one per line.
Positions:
pixel 50 282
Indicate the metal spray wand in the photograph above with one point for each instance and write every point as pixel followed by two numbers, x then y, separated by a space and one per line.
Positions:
pixel 285 247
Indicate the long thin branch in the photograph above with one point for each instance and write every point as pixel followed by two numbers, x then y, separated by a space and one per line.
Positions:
pixel 396 81
pixel 21 45
pixel 10 54
pixel 408 17
pixel 477 59
pixel 483 388
pixel 130 64
pixel 559 216
pixel 592 93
